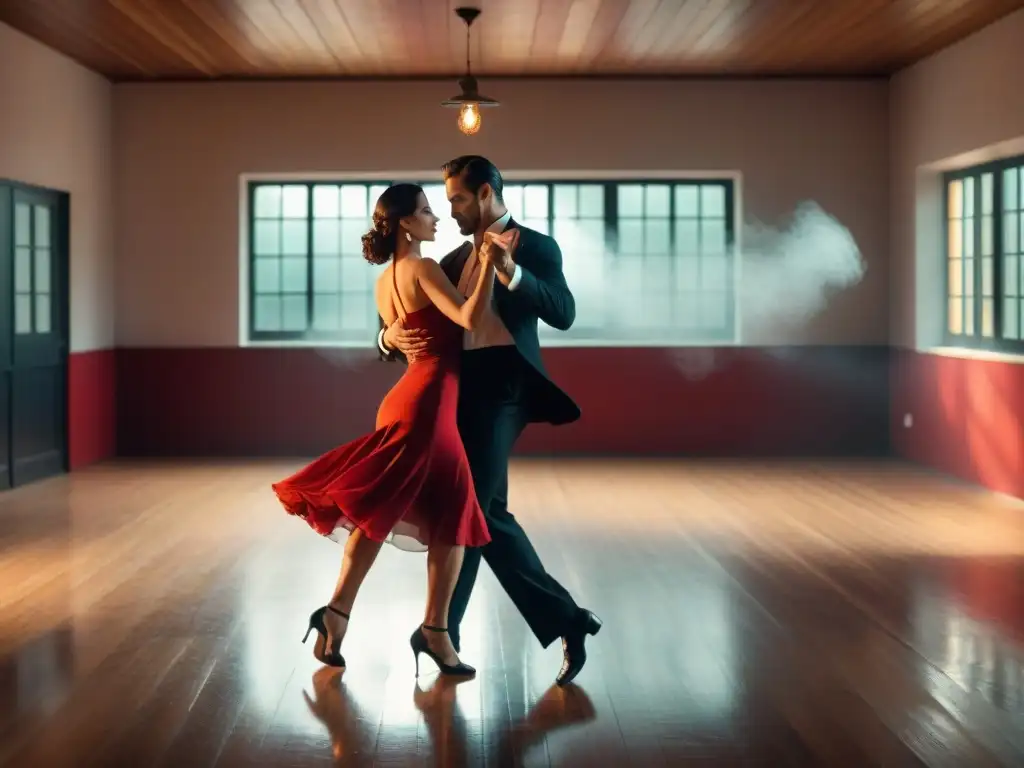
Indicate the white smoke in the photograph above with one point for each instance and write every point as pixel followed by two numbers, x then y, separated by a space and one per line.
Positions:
pixel 788 275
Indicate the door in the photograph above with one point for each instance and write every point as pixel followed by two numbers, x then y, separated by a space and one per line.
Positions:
pixel 36 342
pixel 6 330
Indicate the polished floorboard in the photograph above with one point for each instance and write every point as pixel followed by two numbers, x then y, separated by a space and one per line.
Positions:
pixel 755 613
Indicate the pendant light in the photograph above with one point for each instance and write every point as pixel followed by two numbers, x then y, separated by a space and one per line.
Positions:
pixel 469 101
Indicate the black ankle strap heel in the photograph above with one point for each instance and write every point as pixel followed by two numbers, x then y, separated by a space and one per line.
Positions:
pixel 418 641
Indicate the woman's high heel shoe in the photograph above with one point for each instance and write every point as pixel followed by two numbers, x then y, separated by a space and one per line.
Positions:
pixel 316 621
pixel 418 641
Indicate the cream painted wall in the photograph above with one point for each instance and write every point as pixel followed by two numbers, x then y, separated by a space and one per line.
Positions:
pixel 56 132
pixel 962 106
pixel 180 149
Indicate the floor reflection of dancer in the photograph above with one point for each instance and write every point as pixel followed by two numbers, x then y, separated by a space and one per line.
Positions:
pixel 505 387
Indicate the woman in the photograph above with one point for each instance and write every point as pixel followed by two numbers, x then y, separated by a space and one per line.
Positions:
pixel 408 482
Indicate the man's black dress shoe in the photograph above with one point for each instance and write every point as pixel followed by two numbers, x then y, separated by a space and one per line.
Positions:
pixel 574 651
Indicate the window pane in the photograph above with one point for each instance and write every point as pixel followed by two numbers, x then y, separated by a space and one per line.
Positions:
pixel 968 277
pixel 326 237
pixel 956 282
pixel 437 199
pixel 987 279
pixel 714 310
pixel 566 206
pixel 327 274
pixel 631 236
pixel 687 270
pixel 655 310
pixel 687 312
pixel 513 195
pixel 267 202
pixel 657 202
pixel 986 193
pixel 968 237
pixel 295 201
pixel 591 204
pixel 42 226
pixel 655 274
pixel 267 313
pixel 326 203
pixel 687 237
pixel 42 313
pixel 355 274
pixel 1011 319
pixel 541 225
pixel 293 275
pixel 22 270
pixel 22 224
pixel 968 316
pixel 293 313
pixel 956 315
pixel 267 275
pixel 582 244
pixel 712 200
pixel 687 201
pixel 376 190
pixel 355 312
pixel 631 200
pixel 326 312
pixel 712 236
pixel 986 235
pixel 23 314
pixel 1010 232
pixel 266 238
pixel 535 198
pixel 714 273
pixel 1010 276
pixel 954 245
pixel 41 280
pixel 1010 189
pixel 354 203
pixel 969 197
pixel 294 238
pixel 657 234
pixel 352 231
pixel 988 318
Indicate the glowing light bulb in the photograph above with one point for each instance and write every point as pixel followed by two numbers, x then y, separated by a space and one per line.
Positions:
pixel 469 119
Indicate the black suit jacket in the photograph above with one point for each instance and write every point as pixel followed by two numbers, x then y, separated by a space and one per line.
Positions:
pixel 542 294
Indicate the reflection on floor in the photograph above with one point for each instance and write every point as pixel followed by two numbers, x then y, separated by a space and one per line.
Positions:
pixel 755 613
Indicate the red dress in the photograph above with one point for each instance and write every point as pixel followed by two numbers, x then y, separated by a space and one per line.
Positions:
pixel 407 483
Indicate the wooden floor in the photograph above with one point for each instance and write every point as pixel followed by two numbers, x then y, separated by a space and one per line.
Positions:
pixel 776 614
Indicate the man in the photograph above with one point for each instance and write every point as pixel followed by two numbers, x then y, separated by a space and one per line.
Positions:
pixel 504 386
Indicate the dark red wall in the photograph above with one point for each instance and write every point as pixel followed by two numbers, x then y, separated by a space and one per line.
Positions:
pixel 968 417
pixel 752 401
pixel 968 414
pixel 92 406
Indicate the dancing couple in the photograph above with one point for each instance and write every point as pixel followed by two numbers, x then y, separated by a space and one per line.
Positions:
pixel 434 473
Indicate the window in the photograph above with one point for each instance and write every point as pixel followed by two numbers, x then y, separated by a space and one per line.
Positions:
pixel 984 262
pixel 648 261
pixel 33 308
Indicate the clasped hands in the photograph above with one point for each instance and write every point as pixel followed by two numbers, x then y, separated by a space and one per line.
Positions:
pixel 498 249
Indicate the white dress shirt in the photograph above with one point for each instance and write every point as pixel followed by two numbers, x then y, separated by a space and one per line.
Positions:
pixel 492 331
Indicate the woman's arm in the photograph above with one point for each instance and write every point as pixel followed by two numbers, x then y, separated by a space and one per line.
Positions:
pixel 444 295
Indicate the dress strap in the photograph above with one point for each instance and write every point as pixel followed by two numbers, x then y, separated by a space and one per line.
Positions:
pixel 399 305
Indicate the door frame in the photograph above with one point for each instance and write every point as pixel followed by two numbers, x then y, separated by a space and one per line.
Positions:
pixel 62 262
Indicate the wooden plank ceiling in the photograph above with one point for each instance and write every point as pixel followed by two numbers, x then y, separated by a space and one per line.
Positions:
pixel 211 39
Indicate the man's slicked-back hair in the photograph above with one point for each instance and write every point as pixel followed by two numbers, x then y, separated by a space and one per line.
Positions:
pixel 475 171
